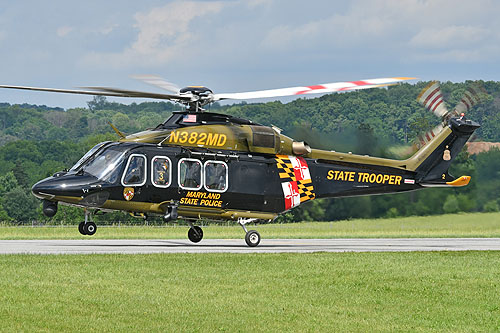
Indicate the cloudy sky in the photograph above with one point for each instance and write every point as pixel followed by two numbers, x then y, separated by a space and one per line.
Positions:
pixel 240 45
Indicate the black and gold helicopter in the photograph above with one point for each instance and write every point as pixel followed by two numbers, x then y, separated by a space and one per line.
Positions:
pixel 200 164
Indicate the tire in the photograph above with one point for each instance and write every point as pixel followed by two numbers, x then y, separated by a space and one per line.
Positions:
pixel 90 228
pixel 252 238
pixel 81 228
pixel 195 234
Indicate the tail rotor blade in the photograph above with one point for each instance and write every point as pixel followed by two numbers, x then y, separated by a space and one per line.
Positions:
pixel 432 99
pixel 474 95
pixel 425 138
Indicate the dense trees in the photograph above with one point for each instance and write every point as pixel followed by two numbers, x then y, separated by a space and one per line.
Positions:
pixel 36 141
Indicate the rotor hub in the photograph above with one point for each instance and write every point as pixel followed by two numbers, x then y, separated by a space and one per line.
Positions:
pixel 196 90
pixel 200 97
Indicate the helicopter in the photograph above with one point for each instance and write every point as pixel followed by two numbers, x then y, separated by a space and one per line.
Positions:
pixel 204 165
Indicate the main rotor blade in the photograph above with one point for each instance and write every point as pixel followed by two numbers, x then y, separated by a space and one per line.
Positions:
pixel 101 91
pixel 65 91
pixel 316 89
pixel 141 94
pixel 158 82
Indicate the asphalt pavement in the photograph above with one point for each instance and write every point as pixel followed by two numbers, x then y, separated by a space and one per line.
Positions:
pixel 132 246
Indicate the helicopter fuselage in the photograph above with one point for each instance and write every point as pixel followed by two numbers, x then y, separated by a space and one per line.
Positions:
pixel 222 185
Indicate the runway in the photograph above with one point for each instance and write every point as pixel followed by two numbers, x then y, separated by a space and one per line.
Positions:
pixel 134 246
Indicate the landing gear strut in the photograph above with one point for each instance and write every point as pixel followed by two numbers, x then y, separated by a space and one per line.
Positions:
pixel 195 233
pixel 252 237
pixel 87 227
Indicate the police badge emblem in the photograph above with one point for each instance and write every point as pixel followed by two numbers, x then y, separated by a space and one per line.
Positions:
pixel 128 193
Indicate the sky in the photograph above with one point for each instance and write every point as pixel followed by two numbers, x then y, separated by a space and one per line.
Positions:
pixel 233 46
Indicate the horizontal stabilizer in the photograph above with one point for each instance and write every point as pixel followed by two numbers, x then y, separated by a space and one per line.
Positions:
pixel 460 181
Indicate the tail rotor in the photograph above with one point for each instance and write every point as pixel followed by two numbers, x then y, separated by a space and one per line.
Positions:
pixel 432 99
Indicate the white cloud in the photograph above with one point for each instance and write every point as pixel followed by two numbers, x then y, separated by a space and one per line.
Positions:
pixel 362 22
pixel 481 55
pixel 64 31
pixel 460 56
pixel 164 33
pixel 257 3
pixel 415 29
pixel 450 36
pixel 106 30
pixel 342 30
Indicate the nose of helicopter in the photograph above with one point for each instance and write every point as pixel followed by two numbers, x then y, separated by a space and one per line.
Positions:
pixel 44 189
pixel 61 185
pixel 73 189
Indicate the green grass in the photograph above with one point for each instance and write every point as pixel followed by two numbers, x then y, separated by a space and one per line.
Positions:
pixel 347 292
pixel 457 225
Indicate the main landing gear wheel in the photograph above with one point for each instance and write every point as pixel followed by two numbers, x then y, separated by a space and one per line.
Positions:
pixel 195 234
pixel 80 228
pixel 89 228
pixel 252 238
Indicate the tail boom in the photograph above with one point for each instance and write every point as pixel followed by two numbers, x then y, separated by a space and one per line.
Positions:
pixel 338 174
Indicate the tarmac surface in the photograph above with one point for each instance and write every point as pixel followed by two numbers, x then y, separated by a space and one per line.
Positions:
pixel 133 246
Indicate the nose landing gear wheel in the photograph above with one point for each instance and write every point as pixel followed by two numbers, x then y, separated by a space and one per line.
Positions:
pixel 195 234
pixel 252 238
pixel 80 228
pixel 89 228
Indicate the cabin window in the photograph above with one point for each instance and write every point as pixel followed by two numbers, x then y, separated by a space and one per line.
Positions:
pixel 88 154
pixel 215 176
pixel 135 171
pixel 190 174
pixel 105 164
pixel 161 171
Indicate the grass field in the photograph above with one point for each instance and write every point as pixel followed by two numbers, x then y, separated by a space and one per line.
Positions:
pixel 348 292
pixel 457 225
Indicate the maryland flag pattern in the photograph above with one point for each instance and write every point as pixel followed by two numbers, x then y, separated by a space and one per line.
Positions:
pixel 295 180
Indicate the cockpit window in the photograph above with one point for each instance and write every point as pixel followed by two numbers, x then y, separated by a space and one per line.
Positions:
pixel 135 171
pixel 215 176
pixel 88 154
pixel 190 174
pixel 161 171
pixel 105 164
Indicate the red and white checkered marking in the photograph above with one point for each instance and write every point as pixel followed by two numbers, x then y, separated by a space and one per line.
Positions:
pixel 291 194
pixel 300 168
